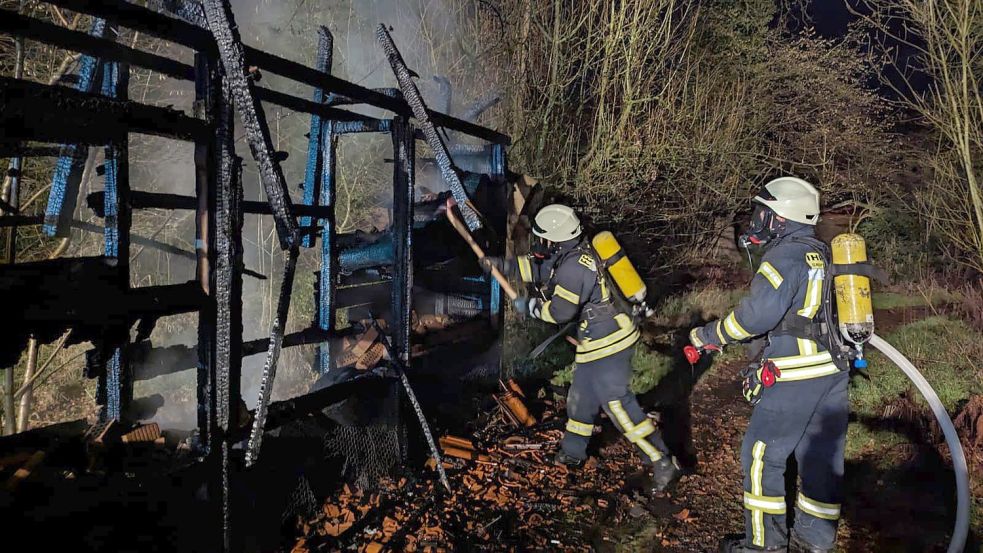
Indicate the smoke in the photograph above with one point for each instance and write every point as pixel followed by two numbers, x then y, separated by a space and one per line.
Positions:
pixel 438 38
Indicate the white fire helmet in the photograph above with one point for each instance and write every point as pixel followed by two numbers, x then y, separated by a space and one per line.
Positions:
pixel 791 198
pixel 556 223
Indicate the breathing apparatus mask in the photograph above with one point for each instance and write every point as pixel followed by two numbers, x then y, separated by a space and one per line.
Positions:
pixel 541 248
pixel 765 226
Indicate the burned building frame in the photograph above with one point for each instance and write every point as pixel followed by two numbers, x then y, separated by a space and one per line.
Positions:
pixel 373 277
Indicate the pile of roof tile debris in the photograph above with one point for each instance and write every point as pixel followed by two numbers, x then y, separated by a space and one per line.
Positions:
pixel 507 495
pixel 101 441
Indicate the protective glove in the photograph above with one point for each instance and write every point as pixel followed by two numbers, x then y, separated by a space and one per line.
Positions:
pixel 503 265
pixel 535 307
pixel 521 305
pixel 757 379
pixel 698 343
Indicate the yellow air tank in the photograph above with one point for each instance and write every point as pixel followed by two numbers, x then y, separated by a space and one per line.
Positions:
pixel 853 307
pixel 622 272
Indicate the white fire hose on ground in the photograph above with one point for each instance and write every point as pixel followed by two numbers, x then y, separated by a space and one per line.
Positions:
pixel 961 528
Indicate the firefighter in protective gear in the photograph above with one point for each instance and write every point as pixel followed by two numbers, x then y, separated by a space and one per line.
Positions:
pixel 563 268
pixel 800 396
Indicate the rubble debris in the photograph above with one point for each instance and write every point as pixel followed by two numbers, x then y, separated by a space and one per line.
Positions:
pixel 103 432
pixel 454 441
pixel 144 433
pixel 515 410
pixel 507 495
pixel 515 388
pixel 25 470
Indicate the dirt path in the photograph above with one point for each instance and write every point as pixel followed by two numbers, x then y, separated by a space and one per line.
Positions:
pixel 713 494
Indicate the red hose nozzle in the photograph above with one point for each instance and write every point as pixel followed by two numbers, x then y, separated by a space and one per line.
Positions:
pixel 692 354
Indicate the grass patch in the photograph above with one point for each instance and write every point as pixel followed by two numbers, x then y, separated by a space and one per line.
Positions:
pixel 944 349
pixel 695 307
pixel 648 368
pixel 895 300
pixel 521 337
pixel 920 294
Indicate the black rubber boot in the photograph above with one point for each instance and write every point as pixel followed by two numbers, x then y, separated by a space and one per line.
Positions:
pixel 735 543
pixel 568 460
pixel 665 473
pixel 798 545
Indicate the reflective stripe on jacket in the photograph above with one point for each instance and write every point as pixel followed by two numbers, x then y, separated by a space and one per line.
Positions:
pixel 572 289
pixel 789 281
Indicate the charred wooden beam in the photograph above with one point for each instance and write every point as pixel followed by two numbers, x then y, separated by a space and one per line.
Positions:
pixel 427 125
pixel 139 18
pixel 301 73
pixel 32 111
pixel 354 127
pixel 151 362
pixel 85 290
pixel 228 272
pixel 221 22
pixel 160 200
pixel 309 107
pixel 16 150
pixel 20 25
pixel 272 357
pixel 20 220
pixel 404 152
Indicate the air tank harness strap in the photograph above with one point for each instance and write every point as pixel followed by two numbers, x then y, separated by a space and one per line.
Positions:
pixel 860 269
pixel 800 327
pixel 605 263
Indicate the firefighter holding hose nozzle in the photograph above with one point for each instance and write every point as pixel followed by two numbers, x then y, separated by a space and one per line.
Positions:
pixel 798 386
pixel 580 280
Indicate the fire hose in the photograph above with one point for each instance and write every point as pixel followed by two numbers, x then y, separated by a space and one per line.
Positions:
pixel 961 527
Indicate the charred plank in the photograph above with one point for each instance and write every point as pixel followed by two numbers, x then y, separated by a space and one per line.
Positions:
pixel 32 111
pixel 20 25
pixel 422 115
pixel 222 24
pixel 159 200
pixel 139 18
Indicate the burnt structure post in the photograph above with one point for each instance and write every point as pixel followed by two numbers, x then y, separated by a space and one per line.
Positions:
pixel 404 153
pixel 319 190
pixel 499 170
pixel 315 158
pixel 227 286
pixel 206 90
pixel 116 381
pixel 71 163
pixel 327 279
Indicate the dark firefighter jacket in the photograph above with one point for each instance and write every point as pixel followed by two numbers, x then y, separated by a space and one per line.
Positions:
pixel 788 281
pixel 571 289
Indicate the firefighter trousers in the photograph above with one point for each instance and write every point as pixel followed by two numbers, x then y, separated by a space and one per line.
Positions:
pixel 807 418
pixel 603 384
